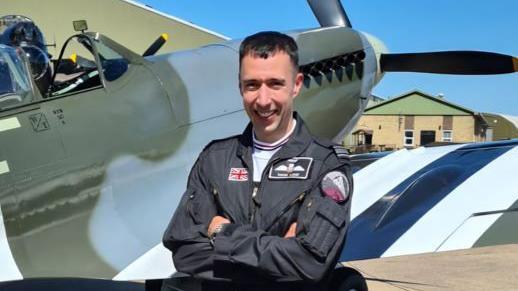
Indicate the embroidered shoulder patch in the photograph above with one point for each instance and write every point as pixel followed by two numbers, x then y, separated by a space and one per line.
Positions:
pixel 293 168
pixel 335 185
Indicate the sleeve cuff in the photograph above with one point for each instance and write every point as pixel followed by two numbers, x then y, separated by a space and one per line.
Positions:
pixel 223 242
pixel 223 266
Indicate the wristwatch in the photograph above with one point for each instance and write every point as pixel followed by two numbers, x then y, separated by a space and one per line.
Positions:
pixel 215 231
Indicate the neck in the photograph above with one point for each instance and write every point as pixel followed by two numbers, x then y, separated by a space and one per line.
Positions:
pixel 274 139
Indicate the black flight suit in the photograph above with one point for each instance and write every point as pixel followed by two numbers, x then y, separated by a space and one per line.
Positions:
pixel 251 251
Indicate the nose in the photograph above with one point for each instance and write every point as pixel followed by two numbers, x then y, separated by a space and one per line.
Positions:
pixel 263 96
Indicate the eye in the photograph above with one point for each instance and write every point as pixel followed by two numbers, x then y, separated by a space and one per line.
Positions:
pixel 251 86
pixel 276 84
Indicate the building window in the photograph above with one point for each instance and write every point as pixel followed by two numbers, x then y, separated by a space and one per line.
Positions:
pixel 408 139
pixel 447 135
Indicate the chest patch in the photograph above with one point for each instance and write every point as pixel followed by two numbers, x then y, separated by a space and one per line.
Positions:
pixel 238 174
pixel 293 168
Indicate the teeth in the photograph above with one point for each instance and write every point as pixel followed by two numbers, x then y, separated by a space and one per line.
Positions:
pixel 265 113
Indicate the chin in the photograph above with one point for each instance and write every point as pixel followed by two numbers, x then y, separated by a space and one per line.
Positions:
pixel 266 132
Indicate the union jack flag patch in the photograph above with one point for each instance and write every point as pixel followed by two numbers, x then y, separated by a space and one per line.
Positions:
pixel 238 174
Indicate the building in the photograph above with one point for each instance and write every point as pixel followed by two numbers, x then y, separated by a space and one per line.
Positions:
pixel 501 126
pixel 350 140
pixel 414 119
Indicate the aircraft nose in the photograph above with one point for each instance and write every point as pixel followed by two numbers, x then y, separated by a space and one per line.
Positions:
pixel 379 48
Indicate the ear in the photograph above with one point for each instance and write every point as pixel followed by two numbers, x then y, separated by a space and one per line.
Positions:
pixel 239 82
pixel 299 80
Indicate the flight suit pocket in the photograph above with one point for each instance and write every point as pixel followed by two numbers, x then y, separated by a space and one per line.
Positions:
pixel 185 225
pixel 201 208
pixel 324 227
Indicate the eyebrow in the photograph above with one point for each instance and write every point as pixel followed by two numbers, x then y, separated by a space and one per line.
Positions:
pixel 283 81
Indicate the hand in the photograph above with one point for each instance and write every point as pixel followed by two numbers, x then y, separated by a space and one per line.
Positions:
pixel 216 220
pixel 291 231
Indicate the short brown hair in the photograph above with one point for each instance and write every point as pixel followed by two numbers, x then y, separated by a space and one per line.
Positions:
pixel 266 43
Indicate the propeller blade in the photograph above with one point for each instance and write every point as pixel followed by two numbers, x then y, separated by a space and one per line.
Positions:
pixel 156 45
pixel 329 13
pixel 450 62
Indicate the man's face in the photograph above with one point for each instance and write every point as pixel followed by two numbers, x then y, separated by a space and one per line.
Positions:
pixel 268 87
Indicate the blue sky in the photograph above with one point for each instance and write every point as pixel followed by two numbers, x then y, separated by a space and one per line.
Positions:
pixel 403 25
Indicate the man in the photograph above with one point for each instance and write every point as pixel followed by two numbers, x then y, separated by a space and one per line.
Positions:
pixel 268 208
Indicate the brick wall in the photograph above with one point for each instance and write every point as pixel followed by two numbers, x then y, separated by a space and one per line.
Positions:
pixel 389 129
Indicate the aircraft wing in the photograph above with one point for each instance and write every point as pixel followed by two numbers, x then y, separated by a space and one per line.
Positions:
pixel 435 199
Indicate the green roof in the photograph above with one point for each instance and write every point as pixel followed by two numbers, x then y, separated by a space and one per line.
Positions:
pixel 417 103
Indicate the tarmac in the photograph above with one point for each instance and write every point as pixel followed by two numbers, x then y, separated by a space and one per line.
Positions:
pixel 485 268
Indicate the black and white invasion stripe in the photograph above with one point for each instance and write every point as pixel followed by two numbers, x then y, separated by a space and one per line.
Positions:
pixel 434 199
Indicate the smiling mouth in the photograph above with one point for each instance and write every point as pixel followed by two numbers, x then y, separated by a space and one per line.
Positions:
pixel 265 113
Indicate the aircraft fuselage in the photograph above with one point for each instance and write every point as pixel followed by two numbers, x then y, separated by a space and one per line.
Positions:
pixel 93 176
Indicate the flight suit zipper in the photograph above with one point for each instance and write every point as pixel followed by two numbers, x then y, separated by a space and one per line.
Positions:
pixel 255 203
pixel 255 190
pixel 288 207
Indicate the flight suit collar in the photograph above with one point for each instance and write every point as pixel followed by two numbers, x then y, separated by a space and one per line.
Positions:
pixel 297 143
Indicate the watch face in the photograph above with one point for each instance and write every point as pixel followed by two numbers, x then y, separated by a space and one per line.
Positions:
pixel 217 229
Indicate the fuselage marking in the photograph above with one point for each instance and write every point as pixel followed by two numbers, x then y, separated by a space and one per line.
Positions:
pixel 9 123
pixel 4 167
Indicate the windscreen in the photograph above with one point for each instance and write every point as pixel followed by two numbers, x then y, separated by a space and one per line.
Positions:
pixel 14 82
pixel 114 65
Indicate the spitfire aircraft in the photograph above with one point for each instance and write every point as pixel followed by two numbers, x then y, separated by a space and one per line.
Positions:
pixel 96 146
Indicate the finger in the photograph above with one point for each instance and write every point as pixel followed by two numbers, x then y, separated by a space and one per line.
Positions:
pixel 291 231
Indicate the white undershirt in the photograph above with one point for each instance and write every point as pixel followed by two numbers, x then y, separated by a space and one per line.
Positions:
pixel 263 152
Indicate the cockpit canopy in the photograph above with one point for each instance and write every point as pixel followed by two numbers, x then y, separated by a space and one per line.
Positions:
pixel 21 32
pixel 14 81
pixel 87 61
pixel 18 30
